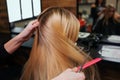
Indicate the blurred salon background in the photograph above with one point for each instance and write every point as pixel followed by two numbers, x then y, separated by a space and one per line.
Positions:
pixel 99 32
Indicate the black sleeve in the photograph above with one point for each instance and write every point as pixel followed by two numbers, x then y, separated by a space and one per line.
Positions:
pixel 118 28
pixel 3 52
pixel 92 12
pixel 98 27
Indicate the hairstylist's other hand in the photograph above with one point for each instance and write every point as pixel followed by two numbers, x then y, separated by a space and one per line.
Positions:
pixel 29 30
pixel 70 74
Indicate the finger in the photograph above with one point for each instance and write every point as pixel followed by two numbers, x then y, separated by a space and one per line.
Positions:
pixel 81 76
pixel 75 69
pixel 32 25
pixel 68 69
pixel 34 22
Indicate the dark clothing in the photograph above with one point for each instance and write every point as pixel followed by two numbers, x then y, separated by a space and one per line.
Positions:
pixel 112 28
pixel 9 67
pixel 3 52
pixel 94 13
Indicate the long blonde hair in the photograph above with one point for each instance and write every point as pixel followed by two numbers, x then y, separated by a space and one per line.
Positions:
pixel 54 47
pixel 107 17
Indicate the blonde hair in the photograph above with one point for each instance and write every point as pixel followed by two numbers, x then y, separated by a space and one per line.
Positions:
pixel 54 47
pixel 106 16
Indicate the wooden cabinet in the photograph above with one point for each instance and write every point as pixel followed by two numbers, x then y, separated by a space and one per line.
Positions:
pixel 4 24
pixel 68 4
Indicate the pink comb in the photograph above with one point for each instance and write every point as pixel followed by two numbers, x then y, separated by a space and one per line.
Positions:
pixel 90 63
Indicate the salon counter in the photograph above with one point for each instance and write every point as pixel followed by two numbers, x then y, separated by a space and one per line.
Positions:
pixel 106 47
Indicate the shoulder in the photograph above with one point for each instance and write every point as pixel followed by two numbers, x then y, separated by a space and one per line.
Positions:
pixel 117 15
pixel 3 52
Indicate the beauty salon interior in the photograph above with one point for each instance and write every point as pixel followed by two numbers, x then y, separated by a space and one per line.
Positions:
pixel 98 33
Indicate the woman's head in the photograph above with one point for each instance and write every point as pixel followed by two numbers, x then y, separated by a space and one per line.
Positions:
pixel 54 47
pixel 59 20
pixel 109 14
pixel 109 11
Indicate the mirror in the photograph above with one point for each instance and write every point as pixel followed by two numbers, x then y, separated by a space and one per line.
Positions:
pixel 83 14
pixel 84 11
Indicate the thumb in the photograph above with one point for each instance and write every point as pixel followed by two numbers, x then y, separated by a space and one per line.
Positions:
pixel 75 69
pixel 69 69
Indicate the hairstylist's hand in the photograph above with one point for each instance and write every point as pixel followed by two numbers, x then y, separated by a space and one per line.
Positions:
pixel 29 30
pixel 18 40
pixel 70 74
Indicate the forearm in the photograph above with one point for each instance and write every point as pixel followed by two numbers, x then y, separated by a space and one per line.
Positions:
pixel 13 44
pixel 25 35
